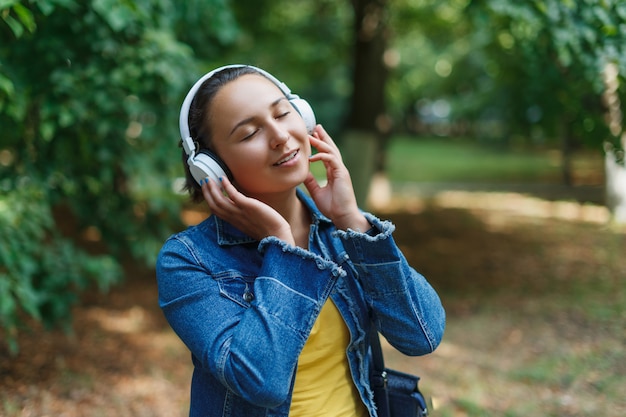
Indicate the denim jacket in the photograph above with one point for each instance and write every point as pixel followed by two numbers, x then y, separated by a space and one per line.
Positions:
pixel 245 308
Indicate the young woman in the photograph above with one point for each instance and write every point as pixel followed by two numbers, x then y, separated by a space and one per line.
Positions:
pixel 274 293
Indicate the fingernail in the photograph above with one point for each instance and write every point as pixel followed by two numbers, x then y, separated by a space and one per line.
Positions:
pixel 221 179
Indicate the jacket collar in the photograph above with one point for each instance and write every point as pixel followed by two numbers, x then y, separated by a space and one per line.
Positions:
pixel 227 234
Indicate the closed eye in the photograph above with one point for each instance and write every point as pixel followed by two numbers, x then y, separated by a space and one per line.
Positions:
pixel 285 114
pixel 250 135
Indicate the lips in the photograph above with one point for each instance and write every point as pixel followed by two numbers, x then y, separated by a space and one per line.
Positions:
pixel 287 157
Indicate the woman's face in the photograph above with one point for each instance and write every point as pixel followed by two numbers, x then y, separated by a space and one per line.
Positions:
pixel 259 135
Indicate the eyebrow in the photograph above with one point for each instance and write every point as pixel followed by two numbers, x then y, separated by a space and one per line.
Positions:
pixel 249 119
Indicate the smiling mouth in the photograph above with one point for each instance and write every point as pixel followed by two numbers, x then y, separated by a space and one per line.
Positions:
pixel 287 158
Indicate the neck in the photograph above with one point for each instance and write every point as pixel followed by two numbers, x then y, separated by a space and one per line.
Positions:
pixel 286 203
pixel 293 210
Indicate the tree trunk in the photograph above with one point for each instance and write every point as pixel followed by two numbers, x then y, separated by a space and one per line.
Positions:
pixel 366 121
pixel 566 152
pixel 614 159
pixel 615 184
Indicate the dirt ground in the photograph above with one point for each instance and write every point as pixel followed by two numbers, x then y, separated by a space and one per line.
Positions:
pixel 534 293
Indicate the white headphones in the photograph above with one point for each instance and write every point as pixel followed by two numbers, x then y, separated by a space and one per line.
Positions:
pixel 203 163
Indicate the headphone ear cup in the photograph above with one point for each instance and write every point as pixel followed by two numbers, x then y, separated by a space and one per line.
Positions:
pixel 206 164
pixel 305 110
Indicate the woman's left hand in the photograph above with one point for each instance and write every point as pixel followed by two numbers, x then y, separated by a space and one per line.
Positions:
pixel 336 199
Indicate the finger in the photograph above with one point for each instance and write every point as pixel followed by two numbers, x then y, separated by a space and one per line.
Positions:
pixel 210 197
pixel 311 184
pixel 205 186
pixel 319 143
pixel 235 196
pixel 323 135
pixel 219 200
pixel 329 159
pixel 322 146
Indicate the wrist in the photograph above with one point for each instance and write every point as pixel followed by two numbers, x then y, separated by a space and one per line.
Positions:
pixel 356 222
pixel 285 235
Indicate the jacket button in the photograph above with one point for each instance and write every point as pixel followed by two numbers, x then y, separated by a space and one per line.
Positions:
pixel 248 296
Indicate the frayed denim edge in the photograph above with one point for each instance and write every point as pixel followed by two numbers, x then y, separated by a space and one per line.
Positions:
pixel 321 263
pixel 385 227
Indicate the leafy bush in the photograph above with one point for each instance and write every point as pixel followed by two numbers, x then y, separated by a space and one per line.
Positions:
pixel 89 93
pixel 41 272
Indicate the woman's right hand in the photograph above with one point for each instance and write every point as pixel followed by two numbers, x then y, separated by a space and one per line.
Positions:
pixel 253 217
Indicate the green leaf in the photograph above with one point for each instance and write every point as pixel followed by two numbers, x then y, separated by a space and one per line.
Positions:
pixel 28 299
pixel 7 303
pixel 118 15
pixel 15 26
pixel 25 16
pixel 5 4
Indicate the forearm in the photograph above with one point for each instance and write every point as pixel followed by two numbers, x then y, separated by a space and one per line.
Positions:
pixel 408 310
pixel 253 346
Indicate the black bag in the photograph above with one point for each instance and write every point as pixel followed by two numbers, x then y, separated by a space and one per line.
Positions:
pixel 396 394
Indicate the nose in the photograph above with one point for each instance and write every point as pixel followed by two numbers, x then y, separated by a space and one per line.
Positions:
pixel 278 134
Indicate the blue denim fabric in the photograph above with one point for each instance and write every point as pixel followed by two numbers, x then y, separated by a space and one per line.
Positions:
pixel 245 308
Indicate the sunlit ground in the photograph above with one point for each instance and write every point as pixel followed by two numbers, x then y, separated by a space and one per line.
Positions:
pixel 509 204
pixel 536 301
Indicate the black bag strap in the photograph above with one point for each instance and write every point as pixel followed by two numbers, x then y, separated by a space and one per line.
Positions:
pixel 405 383
pixel 378 377
pixel 378 360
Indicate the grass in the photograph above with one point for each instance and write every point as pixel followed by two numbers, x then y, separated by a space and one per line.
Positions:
pixel 416 159
pixel 444 159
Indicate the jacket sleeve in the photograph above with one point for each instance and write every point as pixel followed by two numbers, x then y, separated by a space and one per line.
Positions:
pixel 407 309
pixel 252 350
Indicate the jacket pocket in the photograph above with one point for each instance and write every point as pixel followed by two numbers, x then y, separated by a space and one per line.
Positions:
pixel 236 287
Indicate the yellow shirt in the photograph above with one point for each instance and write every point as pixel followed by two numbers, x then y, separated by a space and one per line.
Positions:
pixel 324 386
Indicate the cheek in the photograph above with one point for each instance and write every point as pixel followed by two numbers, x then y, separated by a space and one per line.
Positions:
pixel 307 147
pixel 243 160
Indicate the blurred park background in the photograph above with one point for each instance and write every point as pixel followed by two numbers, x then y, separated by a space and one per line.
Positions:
pixel 490 131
